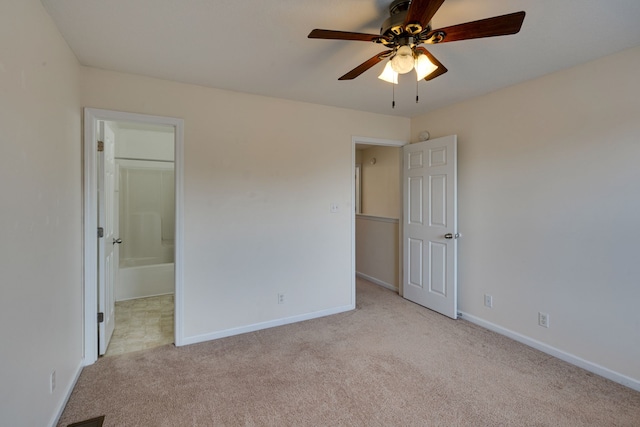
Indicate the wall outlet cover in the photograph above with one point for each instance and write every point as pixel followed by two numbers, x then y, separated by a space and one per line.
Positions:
pixel 488 300
pixel 543 319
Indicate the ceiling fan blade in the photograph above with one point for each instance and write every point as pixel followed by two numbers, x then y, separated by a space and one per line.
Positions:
pixel 343 35
pixel 421 11
pixel 490 27
pixel 366 65
pixel 441 68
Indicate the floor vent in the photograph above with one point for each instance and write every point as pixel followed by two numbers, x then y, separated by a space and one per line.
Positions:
pixel 93 422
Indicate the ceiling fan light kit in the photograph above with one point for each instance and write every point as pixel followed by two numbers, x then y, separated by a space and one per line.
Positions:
pixel 424 66
pixel 403 63
pixel 388 75
pixel 407 28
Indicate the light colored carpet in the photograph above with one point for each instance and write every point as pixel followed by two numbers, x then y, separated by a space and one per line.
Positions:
pixel 387 363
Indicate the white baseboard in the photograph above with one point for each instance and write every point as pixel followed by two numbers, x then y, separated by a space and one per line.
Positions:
pixel 264 325
pixel 562 355
pixel 67 395
pixel 377 281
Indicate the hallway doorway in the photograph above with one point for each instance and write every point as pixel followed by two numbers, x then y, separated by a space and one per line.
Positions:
pixel 376 225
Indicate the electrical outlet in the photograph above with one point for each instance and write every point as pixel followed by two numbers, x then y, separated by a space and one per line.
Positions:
pixel 334 208
pixel 543 319
pixel 488 301
pixel 52 381
pixel 280 298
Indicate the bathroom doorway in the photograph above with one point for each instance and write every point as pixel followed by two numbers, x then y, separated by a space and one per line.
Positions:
pixel 145 215
pixel 141 295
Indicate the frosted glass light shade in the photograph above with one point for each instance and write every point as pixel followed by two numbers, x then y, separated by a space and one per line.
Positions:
pixel 403 60
pixel 424 66
pixel 388 75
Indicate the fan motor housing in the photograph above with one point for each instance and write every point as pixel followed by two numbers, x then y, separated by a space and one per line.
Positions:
pixel 394 25
pixel 399 6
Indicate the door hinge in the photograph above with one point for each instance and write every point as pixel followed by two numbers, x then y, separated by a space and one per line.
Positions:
pixel 100 317
pixel 100 232
pixel 100 146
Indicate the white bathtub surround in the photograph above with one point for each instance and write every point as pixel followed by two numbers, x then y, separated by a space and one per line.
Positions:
pixel 140 281
pixel 147 228
pixel 145 239
pixel 147 211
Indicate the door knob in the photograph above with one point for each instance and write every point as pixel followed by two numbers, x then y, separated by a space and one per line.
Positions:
pixel 451 236
pixel 118 241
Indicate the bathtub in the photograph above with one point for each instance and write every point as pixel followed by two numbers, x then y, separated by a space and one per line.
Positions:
pixel 140 281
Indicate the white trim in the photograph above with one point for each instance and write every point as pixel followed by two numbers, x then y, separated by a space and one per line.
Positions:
pixel 144 164
pixel 378 141
pixel 377 218
pixel 377 281
pixel 371 141
pixel 67 395
pixel 358 188
pixel 562 355
pixel 353 222
pixel 265 325
pixel 179 237
pixel 90 225
pixel 146 296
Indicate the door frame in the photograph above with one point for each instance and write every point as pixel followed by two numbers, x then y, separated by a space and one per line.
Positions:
pixel 382 142
pixel 90 221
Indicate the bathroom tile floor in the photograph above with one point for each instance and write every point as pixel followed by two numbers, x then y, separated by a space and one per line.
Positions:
pixel 141 324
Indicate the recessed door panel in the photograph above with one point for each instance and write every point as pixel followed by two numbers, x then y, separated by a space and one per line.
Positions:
pixel 416 200
pixel 438 268
pixel 415 160
pixel 438 156
pixel 438 201
pixel 416 261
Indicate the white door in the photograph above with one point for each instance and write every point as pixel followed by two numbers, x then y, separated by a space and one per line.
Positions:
pixel 430 224
pixel 107 244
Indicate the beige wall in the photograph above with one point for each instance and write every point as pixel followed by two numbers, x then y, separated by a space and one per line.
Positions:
pixel 257 217
pixel 549 187
pixel 40 183
pixel 377 250
pixel 381 182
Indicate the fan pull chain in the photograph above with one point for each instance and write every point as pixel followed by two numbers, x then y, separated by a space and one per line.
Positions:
pixel 417 98
pixel 393 103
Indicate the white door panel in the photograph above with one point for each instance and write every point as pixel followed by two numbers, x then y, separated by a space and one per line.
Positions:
pixel 107 249
pixel 429 243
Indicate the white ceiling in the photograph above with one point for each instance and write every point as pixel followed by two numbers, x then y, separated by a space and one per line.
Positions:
pixel 261 46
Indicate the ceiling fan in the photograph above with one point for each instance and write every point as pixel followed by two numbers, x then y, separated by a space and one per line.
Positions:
pixel 409 26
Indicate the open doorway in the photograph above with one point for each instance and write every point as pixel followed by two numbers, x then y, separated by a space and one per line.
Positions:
pixel 144 212
pixel 377 166
pixel 427 233
pixel 133 197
